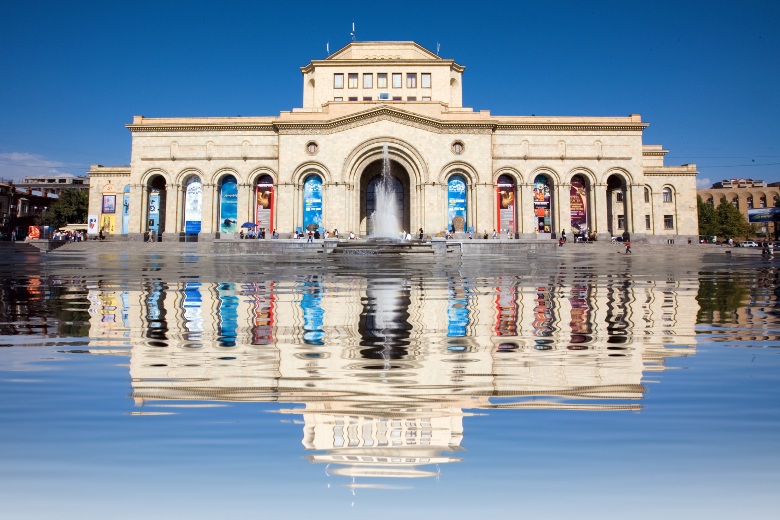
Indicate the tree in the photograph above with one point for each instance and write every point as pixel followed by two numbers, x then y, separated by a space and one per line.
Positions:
pixel 71 208
pixel 707 220
pixel 730 222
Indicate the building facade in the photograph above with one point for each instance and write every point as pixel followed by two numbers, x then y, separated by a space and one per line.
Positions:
pixel 450 167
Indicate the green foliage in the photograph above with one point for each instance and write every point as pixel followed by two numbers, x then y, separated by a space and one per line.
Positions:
pixel 71 208
pixel 719 299
pixel 707 223
pixel 730 222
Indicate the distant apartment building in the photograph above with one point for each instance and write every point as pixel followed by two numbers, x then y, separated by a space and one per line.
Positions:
pixel 744 194
pixel 24 204
pixel 55 184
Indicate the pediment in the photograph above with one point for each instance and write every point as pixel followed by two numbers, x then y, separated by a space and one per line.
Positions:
pixel 383 113
pixel 382 51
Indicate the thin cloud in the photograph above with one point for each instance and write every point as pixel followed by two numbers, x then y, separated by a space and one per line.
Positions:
pixel 703 183
pixel 15 166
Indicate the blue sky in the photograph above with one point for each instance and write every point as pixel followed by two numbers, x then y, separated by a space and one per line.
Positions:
pixel 705 75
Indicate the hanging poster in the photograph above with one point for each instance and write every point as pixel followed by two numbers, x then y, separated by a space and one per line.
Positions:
pixel 456 203
pixel 109 204
pixel 506 204
pixel 192 206
pixel 154 211
pixel 125 212
pixel 92 225
pixel 265 197
pixel 228 206
pixel 542 204
pixel 579 206
pixel 312 204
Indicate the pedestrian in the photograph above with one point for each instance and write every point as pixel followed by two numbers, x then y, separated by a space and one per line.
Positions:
pixel 563 235
pixel 310 235
pixel 100 234
pixel 494 235
pixel 485 235
pixel 335 233
pixel 628 247
pixel 275 235
pixel 13 236
pixel 420 233
pixel 561 241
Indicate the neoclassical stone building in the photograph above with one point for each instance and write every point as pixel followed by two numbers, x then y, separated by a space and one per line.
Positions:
pixel 451 167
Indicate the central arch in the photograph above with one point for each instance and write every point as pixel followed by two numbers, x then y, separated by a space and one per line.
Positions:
pixel 369 179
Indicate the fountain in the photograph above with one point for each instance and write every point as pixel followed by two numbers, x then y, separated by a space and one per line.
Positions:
pixel 384 220
pixel 385 228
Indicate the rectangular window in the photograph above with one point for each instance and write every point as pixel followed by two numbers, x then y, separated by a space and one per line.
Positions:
pixel 384 96
pixel 621 221
pixel 619 196
pixel 411 80
pixel 353 98
pixel 338 81
pixel 647 195
pixel 411 98
pixel 368 81
pixel 338 99
pixel 425 80
pixel 647 222
pixel 397 80
pixel 426 98
pixel 381 80
pixel 396 98
pixel 352 80
pixel 366 98
pixel 668 222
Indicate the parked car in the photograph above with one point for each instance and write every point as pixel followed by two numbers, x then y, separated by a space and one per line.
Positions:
pixel 748 243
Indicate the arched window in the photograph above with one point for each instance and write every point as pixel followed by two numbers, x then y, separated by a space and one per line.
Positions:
pixel 647 194
pixel 228 204
pixel 735 201
pixel 711 200
pixel 776 201
pixel 762 201
pixel 668 195
pixel 749 202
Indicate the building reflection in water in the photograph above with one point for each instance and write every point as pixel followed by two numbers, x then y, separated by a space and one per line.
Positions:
pixel 387 368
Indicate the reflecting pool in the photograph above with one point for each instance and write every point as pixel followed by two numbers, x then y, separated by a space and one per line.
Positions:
pixel 188 386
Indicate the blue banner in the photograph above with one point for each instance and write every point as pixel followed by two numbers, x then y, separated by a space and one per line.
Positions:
pixel 228 205
pixel 192 206
pixel 312 203
pixel 456 203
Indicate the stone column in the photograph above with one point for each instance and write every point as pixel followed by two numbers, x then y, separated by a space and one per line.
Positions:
pixel 599 223
pixel 208 206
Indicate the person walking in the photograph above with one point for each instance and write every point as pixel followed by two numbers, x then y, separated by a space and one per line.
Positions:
pixel 310 236
pixel 420 233
pixel 628 247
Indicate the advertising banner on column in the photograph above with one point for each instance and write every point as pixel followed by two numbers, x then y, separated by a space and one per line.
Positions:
pixel 506 207
pixel 312 203
pixel 154 211
pixel 456 203
pixel 228 206
pixel 265 200
pixel 542 205
pixel 579 205
pixel 193 206
pixel 125 213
